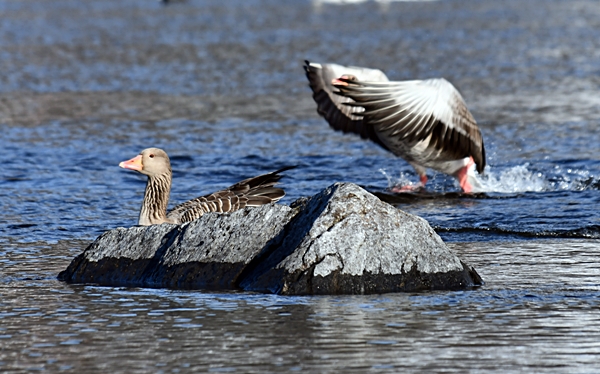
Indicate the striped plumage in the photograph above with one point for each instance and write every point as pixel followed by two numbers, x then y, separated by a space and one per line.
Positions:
pixel 426 122
pixel 155 164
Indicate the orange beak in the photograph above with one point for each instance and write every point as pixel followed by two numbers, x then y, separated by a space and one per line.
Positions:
pixel 133 164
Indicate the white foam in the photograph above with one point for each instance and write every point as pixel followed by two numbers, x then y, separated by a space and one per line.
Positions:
pixel 403 180
pixel 514 179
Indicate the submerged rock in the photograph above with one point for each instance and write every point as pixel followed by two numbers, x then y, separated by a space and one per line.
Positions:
pixel 343 240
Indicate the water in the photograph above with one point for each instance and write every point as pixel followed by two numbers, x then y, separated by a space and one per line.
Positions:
pixel 219 85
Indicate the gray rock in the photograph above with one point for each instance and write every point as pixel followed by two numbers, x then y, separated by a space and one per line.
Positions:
pixel 343 240
pixel 208 253
pixel 347 241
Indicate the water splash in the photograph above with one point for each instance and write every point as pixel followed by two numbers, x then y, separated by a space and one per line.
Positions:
pixel 521 179
pixel 512 180
pixel 573 179
pixel 405 180
pixel 515 179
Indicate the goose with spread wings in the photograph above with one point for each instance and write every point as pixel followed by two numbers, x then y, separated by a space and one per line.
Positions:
pixel 155 164
pixel 426 122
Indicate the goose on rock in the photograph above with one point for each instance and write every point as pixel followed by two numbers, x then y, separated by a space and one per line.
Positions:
pixel 155 164
pixel 426 122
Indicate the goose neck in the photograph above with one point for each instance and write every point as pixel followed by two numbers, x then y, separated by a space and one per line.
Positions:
pixel 156 198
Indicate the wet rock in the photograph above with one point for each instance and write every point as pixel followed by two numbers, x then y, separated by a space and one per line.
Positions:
pixel 208 253
pixel 343 240
pixel 347 241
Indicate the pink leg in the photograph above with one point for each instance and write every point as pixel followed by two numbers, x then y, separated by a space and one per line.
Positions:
pixel 423 180
pixel 461 175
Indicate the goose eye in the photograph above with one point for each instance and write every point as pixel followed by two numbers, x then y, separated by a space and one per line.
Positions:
pixel 151 156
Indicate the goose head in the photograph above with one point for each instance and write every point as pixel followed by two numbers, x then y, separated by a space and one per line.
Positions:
pixel 151 162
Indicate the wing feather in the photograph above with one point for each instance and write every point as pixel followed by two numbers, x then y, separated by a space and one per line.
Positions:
pixel 338 110
pixel 253 191
pixel 412 111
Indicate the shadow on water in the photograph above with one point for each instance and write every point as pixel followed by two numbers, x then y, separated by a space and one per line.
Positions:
pixel 409 197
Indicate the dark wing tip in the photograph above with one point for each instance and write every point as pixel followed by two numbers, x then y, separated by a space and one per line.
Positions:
pixel 335 107
pixel 480 161
pixel 285 168
pixel 261 184
pixel 261 190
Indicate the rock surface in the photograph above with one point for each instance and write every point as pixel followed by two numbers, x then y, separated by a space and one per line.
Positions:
pixel 343 240
pixel 208 253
